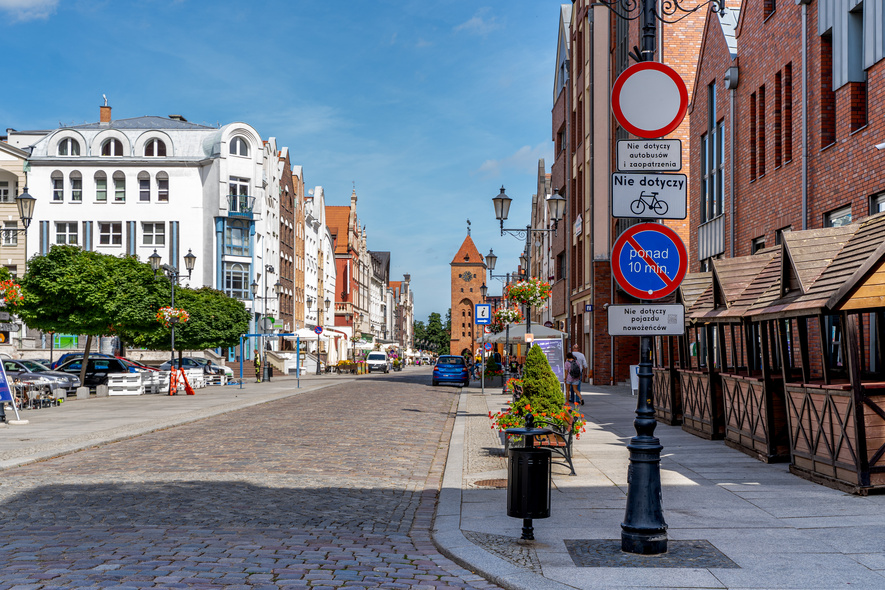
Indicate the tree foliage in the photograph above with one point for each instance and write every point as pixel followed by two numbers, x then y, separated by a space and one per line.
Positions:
pixel 73 291
pixel 540 385
pixel 434 333
pixel 216 320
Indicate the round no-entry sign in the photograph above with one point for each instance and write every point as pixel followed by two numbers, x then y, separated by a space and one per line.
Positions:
pixel 649 99
pixel 318 330
pixel 649 260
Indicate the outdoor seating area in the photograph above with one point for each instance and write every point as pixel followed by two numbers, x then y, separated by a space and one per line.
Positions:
pixel 783 357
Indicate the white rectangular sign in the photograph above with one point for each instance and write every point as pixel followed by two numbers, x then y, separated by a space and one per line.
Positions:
pixel 650 195
pixel 646 320
pixel 483 313
pixel 651 155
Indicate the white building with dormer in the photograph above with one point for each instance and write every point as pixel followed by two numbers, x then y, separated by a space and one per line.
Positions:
pixel 132 186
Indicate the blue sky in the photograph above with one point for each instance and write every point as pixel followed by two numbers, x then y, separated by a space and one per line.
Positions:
pixel 429 107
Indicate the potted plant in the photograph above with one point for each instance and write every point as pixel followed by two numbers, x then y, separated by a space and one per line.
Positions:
pixel 531 292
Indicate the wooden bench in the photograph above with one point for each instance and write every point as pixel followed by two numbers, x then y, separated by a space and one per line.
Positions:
pixel 559 441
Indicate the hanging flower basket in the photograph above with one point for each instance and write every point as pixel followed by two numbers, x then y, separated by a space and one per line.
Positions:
pixel 169 316
pixel 533 291
pixel 504 316
pixel 11 292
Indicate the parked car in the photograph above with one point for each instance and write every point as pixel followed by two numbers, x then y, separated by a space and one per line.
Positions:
pixel 72 355
pixel 207 366
pixel 97 369
pixel 139 366
pixel 450 368
pixel 377 361
pixel 33 372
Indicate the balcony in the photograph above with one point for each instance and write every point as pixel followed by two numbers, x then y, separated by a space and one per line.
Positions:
pixel 711 238
pixel 240 206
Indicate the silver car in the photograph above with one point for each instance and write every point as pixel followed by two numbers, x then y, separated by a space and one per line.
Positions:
pixel 29 371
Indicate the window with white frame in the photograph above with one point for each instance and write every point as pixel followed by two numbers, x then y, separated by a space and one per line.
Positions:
pixel 58 186
pixel 144 186
pixel 112 147
pixel 119 187
pixel 239 147
pixel 66 232
pixel 155 148
pixel 110 233
pixel 10 233
pixel 69 147
pixel 162 186
pixel 5 196
pixel 877 203
pixel 101 186
pixel 236 280
pixel 153 233
pixel 76 186
pixel 838 217
pixel 236 238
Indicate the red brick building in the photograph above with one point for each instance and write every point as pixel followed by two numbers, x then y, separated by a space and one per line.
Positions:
pixel 598 50
pixel 468 275
pixel 770 154
pixel 349 240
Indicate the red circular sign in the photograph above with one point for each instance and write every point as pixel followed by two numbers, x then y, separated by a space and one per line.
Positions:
pixel 649 260
pixel 649 99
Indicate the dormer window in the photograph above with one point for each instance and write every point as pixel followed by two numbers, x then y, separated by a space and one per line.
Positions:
pixel 69 147
pixel 155 148
pixel 112 147
pixel 239 147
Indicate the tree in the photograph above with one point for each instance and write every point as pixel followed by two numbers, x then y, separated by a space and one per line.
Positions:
pixel 216 320
pixel 540 386
pixel 436 334
pixel 74 291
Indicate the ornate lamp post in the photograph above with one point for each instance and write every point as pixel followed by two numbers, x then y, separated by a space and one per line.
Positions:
pixel 174 277
pixel 555 208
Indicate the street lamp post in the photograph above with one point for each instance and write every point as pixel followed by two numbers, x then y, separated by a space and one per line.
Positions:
pixel 491 262
pixel 555 208
pixel 174 277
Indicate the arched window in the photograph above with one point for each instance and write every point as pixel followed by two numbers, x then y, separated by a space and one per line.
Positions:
pixel 144 186
pixel 101 186
pixel 236 280
pixel 239 147
pixel 119 187
pixel 69 147
pixel 76 186
pixel 112 147
pixel 58 186
pixel 155 148
pixel 162 187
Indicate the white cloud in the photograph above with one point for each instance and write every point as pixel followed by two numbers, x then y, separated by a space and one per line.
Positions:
pixel 525 160
pixel 479 24
pixel 23 10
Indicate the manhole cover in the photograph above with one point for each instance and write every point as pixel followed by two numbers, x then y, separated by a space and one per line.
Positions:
pixel 491 483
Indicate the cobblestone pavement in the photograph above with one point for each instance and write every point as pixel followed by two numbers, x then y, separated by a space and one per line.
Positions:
pixel 329 489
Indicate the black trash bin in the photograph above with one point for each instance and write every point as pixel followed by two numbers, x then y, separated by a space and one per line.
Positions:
pixel 529 475
pixel 268 372
pixel 528 483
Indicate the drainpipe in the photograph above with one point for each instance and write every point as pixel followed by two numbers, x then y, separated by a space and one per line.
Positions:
pixel 731 83
pixel 804 4
pixel 592 221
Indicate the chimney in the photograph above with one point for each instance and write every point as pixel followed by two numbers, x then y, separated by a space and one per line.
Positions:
pixel 105 114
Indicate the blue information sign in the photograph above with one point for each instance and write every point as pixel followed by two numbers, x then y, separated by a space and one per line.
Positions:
pixel 483 313
pixel 649 260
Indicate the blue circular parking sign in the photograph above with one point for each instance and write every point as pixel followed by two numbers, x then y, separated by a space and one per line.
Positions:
pixel 488 345
pixel 649 260
pixel 318 330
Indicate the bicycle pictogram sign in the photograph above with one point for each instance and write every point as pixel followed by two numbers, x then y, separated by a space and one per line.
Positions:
pixel 648 201
pixel 649 261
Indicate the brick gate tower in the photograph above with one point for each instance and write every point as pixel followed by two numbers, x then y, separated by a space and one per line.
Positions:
pixel 468 275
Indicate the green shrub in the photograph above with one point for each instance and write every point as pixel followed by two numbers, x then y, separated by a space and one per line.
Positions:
pixel 541 387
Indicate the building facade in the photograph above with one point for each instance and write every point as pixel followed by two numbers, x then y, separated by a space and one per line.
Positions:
pixel 468 274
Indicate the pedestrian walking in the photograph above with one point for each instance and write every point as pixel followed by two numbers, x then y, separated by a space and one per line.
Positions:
pixel 582 362
pixel 573 379
pixel 257 363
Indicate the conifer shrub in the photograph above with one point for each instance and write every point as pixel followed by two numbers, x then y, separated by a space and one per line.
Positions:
pixel 540 385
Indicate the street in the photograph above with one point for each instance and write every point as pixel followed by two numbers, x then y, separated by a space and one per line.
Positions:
pixel 329 488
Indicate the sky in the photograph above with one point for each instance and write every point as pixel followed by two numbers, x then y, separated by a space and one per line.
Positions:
pixel 426 108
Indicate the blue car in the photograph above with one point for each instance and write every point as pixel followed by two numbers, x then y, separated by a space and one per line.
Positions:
pixel 451 369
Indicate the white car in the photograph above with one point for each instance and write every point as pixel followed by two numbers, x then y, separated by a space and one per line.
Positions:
pixel 377 361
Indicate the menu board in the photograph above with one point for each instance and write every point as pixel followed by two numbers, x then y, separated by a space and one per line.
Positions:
pixel 552 349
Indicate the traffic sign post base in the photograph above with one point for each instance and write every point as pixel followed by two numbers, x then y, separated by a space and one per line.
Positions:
pixel 644 531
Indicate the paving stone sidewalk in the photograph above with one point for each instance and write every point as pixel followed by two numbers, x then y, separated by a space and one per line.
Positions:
pixel 734 522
